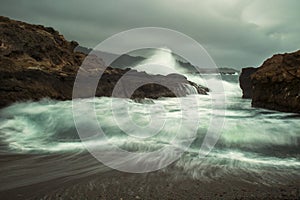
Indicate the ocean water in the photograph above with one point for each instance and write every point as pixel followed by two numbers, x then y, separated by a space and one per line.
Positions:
pixel 39 140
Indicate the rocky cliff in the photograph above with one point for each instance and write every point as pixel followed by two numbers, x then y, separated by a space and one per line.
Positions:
pixel 276 84
pixel 37 62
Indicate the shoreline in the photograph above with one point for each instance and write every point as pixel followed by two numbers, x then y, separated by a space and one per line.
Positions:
pixel 97 182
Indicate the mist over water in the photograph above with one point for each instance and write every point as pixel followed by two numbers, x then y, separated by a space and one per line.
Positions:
pixel 260 143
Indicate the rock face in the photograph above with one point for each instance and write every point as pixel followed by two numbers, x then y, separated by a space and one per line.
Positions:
pixel 246 82
pixel 276 84
pixel 37 62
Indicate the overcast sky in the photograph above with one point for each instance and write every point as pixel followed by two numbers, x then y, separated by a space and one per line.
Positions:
pixel 236 33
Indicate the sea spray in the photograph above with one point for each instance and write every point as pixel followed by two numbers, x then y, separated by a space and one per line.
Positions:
pixel 161 61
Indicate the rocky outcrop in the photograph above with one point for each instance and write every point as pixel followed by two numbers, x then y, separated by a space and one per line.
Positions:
pixel 276 84
pixel 37 62
pixel 246 82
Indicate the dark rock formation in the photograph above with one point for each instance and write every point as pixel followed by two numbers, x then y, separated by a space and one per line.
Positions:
pixel 246 82
pixel 37 62
pixel 276 84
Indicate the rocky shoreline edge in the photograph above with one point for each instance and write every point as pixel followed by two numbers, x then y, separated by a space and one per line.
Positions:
pixel 37 62
pixel 275 85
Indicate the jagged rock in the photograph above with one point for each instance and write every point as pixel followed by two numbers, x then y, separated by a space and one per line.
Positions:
pixel 37 62
pixel 276 84
pixel 246 82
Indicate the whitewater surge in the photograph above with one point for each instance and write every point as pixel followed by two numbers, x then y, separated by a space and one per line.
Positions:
pixel 252 140
pixel 262 144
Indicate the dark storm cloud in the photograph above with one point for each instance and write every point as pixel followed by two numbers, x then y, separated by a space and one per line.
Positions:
pixel 235 33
